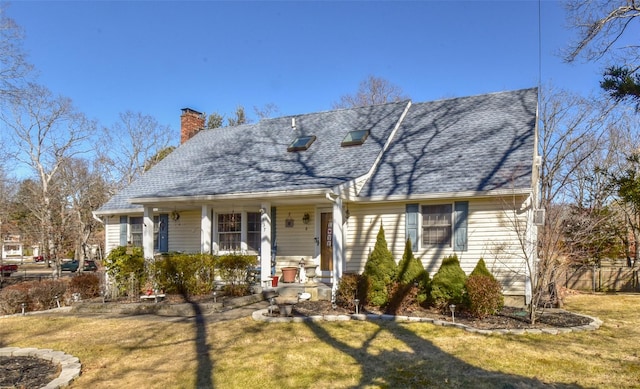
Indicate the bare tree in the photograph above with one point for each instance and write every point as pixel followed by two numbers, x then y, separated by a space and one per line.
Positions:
pixel 14 69
pixel 601 25
pixel 267 111
pixel 130 144
pixel 374 90
pixel 47 131
pixel 572 130
pixel 85 190
pixel 6 198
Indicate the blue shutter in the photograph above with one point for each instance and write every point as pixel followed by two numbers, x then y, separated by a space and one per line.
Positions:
pixel 460 214
pixel 123 230
pixel 411 224
pixel 163 233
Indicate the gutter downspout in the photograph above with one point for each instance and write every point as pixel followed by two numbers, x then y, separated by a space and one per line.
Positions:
pixel 338 243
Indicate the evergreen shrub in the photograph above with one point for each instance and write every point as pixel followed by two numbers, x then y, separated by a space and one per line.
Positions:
pixel 448 284
pixel 122 262
pixel 411 272
pixel 380 272
pixel 234 269
pixel 189 274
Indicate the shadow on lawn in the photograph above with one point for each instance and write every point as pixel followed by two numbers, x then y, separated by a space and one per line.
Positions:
pixel 405 369
pixel 204 370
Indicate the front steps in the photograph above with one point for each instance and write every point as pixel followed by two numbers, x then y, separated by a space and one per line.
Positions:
pixel 318 291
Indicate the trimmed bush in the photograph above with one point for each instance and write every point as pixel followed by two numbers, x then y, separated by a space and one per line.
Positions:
pixel 350 287
pixel 122 262
pixel 42 294
pixel 380 271
pixel 484 295
pixel 411 271
pixel 233 271
pixel 12 297
pixel 87 285
pixel 481 269
pixel 190 274
pixel 404 298
pixel 447 286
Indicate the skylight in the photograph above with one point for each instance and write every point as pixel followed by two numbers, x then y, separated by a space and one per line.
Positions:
pixel 301 143
pixel 355 138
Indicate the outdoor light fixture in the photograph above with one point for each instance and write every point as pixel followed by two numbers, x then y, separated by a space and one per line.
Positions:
pixel 452 307
pixel 357 304
pixel 306 218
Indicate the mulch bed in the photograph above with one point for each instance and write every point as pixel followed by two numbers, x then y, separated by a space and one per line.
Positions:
pixel 26 372
pixel 508 318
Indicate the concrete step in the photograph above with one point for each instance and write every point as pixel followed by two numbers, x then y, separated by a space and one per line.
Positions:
pixel 318 291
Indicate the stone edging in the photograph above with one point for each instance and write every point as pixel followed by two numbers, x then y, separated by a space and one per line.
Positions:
pixel 70 366
pixel 260 316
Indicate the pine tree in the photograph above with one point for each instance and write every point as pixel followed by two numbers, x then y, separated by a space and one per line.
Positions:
pixel 448 284
pixel 410 271
pixel 380 271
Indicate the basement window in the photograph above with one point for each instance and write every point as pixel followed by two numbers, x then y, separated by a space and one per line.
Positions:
pixel 301 143
pixel 355 138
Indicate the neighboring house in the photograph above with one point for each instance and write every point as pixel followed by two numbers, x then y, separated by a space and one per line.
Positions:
pixel 456 176
pixel 12 247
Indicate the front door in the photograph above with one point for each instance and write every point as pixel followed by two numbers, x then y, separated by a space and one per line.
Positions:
pixel 326 241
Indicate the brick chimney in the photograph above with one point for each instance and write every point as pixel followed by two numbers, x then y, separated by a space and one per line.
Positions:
pixel 191 121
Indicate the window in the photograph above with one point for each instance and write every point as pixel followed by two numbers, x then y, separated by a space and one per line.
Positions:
pixel 301 143
pixel 229 231
pixel 436 225
pixel 355 138
pixel 253 231
pixel 135 229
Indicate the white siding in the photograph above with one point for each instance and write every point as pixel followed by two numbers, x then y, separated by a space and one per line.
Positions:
pixel 294 242
pixel 112 233
pixel 491 236
pixel 363 226
pixel 184 233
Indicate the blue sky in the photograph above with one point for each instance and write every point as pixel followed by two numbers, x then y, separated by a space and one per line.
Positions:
pixel 157 57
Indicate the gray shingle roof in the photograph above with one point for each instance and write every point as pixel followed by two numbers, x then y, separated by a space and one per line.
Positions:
pixel 254 158
pixel 477 143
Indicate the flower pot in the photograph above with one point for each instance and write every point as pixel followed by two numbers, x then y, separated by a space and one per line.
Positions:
pixel 310 271
pixel 289 274
pixel 274 281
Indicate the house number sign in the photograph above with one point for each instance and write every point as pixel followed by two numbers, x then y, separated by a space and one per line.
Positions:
pixel 329 234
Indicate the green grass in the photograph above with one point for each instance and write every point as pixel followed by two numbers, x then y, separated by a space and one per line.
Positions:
pixel 131 352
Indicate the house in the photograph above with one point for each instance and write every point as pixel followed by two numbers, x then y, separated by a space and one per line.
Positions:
pixel 455 176
pixel 12 247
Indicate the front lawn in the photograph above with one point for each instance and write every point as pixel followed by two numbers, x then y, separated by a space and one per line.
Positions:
pixel 151 353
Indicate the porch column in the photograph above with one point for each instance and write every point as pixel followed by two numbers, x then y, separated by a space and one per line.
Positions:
pixel 338 242
pixel 265 242
pixel 147 234
pixel 205 230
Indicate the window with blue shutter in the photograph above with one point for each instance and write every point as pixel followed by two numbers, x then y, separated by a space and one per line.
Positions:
pixel 461 214
pixel 411 224
pixel 123 230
